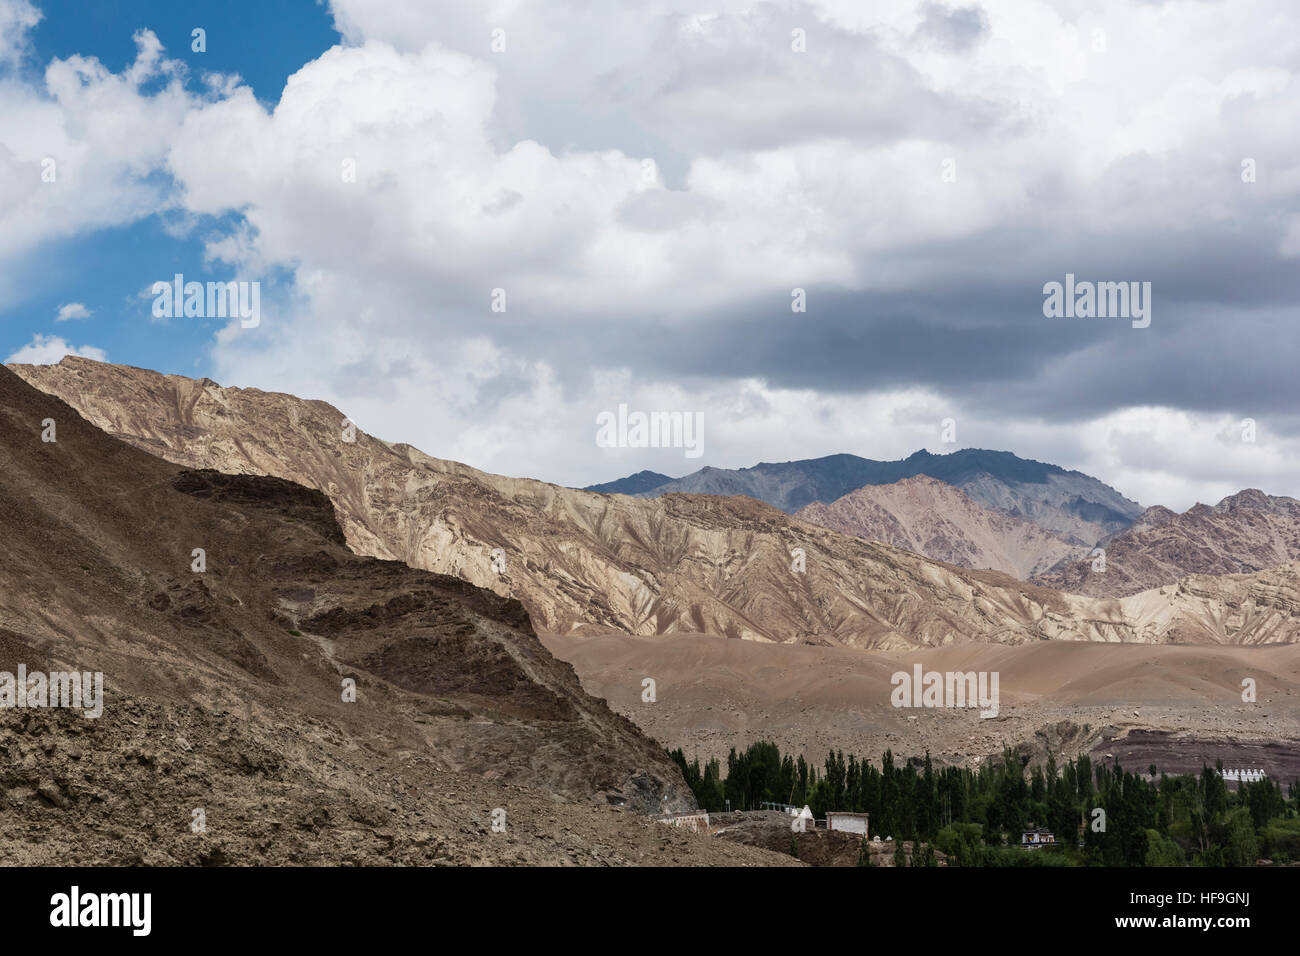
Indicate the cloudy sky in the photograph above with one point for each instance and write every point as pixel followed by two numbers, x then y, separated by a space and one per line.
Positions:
pixel 648 183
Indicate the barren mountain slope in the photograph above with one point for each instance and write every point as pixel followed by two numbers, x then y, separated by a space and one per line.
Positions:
pixel 1248 531
pixel 935 519
pixel 677 563
pixel 224 682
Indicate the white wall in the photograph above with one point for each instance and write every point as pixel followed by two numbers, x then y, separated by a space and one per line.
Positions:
pixel 846 824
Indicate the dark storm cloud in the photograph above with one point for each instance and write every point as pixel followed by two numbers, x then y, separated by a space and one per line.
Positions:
pixel 1224 335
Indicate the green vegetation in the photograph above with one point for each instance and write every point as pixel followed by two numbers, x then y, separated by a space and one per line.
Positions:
pixel 864 854
pixel 976 817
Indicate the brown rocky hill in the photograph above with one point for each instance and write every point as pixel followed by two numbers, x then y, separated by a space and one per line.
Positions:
pixel 679 563
pixel 224 682
pixel 935 519
pixel 1249 531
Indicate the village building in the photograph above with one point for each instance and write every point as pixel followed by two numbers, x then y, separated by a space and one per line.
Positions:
pixel 1034 838
pixel 847 822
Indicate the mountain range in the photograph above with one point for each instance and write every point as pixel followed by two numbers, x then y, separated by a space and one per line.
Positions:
pixel 1035 522
pixel 462 604
pixel 1069 504
pixel 673 563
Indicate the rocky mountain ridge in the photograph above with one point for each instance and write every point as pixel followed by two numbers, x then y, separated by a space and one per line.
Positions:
pixel 677 563
pixel 1246 532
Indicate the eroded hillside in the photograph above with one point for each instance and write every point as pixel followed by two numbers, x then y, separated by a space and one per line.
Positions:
pixel 671 564
pixel 227 618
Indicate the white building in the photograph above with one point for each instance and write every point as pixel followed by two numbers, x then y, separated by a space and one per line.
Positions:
pixel 1035 838
pixel 847 822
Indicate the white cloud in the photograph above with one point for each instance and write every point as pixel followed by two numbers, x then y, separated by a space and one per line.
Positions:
pixel 49 349
pixel 16 18
pixel 527 171
pixel 82 152
pixel 466 183
pixel 72 310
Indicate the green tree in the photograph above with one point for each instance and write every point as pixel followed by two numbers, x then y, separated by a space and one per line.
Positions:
pixel 1239 846
pixel 962 843
pixel 864 854
pixel 1162 851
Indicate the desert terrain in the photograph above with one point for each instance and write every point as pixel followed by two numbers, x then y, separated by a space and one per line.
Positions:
pixel 713 694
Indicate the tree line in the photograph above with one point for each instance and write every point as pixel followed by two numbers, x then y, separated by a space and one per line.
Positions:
pixel 977 816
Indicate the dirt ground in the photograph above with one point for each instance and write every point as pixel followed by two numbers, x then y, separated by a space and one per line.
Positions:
pixel 123 790
pixel 1062 698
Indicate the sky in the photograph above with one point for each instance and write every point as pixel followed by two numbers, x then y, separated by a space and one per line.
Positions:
pixel 818 227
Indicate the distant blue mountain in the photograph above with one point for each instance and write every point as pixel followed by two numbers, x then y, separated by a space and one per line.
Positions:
pixel 1076 506
pixel 632 484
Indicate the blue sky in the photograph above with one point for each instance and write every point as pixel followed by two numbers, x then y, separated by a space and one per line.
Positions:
pixel 106 270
